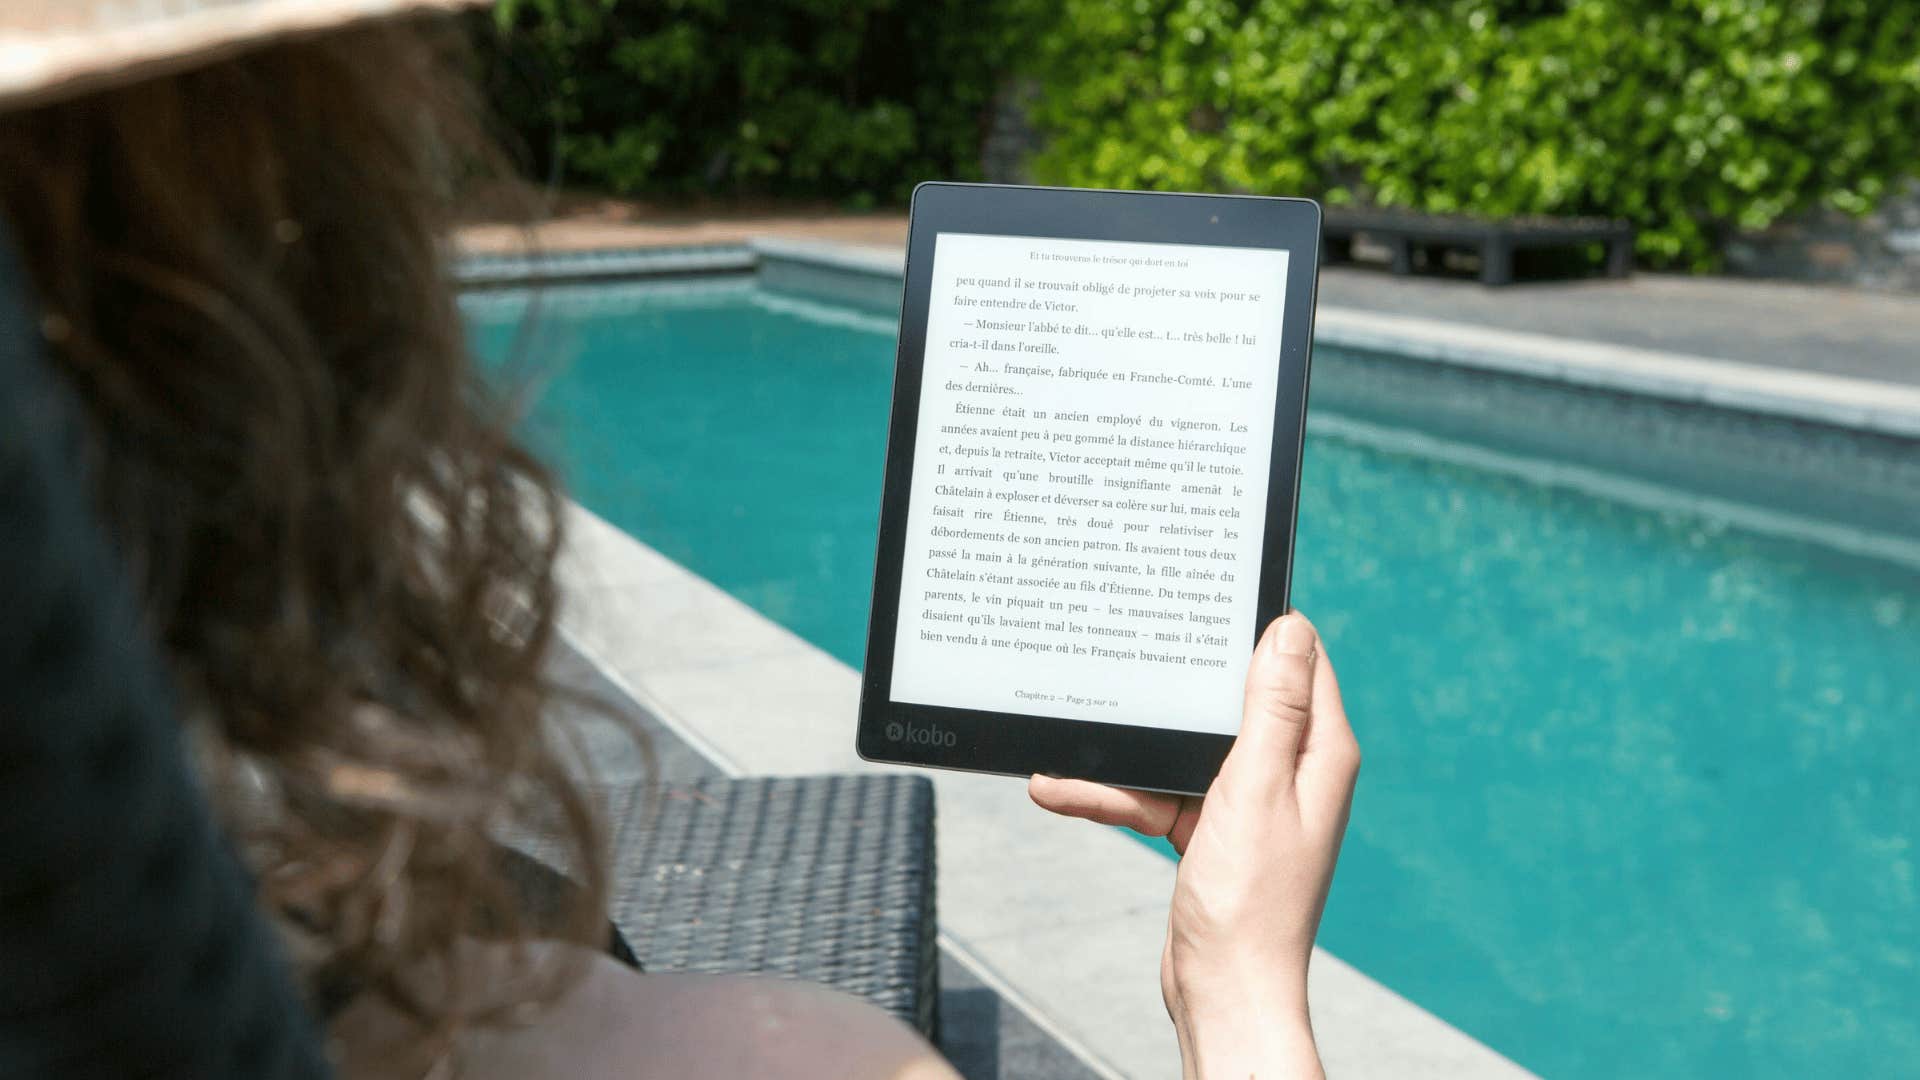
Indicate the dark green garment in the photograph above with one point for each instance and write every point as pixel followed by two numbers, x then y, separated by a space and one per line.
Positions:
pixel 130 945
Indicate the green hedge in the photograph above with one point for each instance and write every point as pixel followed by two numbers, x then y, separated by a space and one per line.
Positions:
pixel 846 99
pixel 1690 117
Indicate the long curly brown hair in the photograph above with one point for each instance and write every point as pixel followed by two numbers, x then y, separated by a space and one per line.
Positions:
pixel 346 553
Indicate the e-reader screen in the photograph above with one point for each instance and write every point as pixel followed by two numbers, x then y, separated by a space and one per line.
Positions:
pixel 1088 495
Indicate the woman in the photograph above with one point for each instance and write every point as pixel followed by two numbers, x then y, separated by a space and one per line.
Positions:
pixel 232 215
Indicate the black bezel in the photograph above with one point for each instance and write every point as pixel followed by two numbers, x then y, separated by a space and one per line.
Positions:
pixel 1137 757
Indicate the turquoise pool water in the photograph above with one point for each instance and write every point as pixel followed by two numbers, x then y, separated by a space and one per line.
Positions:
pixel 1642 788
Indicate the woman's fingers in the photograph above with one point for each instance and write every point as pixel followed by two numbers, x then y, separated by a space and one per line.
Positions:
pixel 1279 708
pixel 1330 756
pixel 1294 744
pixel 1145 812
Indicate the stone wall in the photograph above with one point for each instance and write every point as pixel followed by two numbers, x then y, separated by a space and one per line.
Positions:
pixel 1879 251
pixel 1011 139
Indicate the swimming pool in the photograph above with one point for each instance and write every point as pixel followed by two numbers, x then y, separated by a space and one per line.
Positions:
pixel 1642 787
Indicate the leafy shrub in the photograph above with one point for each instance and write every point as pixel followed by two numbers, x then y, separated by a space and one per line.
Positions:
pixel 1689 117
pixel 852 99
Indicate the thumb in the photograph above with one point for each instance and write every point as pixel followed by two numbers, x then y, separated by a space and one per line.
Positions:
pixel 1279 706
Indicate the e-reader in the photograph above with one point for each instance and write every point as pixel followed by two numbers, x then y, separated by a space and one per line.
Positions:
pixel 1092 479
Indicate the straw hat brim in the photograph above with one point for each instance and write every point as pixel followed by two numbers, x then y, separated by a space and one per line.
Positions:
pixel 41 66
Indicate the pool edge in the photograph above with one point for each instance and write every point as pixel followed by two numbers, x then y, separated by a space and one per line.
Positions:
pixel 1833 400
pixel 1840 401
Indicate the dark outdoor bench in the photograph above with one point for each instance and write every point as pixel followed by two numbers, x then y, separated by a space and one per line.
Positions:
pixel 1496 240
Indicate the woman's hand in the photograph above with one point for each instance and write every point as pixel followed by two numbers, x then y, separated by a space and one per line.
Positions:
pixel 1258 855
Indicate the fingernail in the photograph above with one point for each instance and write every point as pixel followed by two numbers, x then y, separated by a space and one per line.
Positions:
pixel 1294 636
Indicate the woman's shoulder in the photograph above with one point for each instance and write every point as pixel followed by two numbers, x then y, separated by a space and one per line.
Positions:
pixel 616 1024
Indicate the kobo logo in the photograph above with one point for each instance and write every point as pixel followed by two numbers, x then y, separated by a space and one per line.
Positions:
pixel 931 735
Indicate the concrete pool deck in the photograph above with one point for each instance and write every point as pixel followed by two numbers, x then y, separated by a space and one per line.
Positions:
pixel 1064 920
pixel 872 275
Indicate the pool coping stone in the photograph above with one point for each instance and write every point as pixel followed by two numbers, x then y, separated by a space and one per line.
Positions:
pixel 510 269
pixel 1063 919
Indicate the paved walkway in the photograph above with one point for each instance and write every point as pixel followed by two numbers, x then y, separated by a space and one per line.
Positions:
pixel 1801 327
pixel 1823 329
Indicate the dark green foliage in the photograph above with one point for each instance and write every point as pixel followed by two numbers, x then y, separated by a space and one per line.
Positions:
pixel 1690 117
pixel 850 99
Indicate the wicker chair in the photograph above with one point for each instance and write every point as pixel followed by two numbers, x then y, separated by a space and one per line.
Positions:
pixel 827 879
